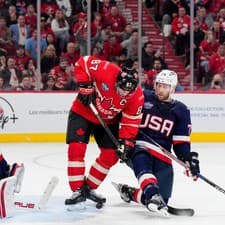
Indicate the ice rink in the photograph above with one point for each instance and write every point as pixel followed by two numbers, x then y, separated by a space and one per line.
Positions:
pixel 44 160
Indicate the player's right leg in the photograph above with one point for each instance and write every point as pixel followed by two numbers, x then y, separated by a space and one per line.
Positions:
pixel 78 133
pixel 143 163
pixel 7 187
pixel 76 170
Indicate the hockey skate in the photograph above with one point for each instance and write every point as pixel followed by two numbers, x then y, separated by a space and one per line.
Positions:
pixel 157 204
pixel 91 195
pixel 17 170
pixel 78 196
pixel 84 193
pixel 126 192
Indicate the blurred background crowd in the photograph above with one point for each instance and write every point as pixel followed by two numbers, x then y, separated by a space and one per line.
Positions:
pixel 114 36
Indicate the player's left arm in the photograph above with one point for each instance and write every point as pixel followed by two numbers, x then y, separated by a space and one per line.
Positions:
pixel 182 143
pixel 131 118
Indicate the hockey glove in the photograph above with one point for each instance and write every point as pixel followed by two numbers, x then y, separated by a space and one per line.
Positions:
pixel 123 151
pixel 193 164
pixel 86 93
pixel 4 169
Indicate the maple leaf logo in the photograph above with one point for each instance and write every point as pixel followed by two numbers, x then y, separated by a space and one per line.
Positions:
pixel 106 103
pixel 80 131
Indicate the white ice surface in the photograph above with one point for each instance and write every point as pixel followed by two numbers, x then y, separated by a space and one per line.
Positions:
pixel 44 160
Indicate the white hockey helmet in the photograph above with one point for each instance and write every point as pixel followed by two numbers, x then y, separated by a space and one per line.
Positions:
pixel 167 77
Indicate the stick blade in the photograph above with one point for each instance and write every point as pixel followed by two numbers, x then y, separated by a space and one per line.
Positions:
pixel 181 211
pixel 48 192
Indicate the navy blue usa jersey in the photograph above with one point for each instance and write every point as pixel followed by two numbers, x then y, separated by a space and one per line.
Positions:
pixel 168 124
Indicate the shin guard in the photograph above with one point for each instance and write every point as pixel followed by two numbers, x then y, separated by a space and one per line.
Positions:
pixel 7 188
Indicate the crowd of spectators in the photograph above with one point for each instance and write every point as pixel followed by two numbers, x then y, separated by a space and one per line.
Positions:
pixel 63 40
pixel 209 34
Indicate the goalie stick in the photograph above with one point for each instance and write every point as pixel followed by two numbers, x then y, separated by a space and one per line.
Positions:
pixel 173 157
pixel 44 198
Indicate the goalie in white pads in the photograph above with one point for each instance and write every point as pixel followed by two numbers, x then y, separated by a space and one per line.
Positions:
pixel 11 177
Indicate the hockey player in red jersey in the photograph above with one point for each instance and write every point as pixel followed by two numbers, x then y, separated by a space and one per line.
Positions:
pixel 10 182
pixel 166 122
pixel 118 99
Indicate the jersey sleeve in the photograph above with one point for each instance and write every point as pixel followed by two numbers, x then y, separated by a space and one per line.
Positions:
pixel 84 68
pixel 182 131
pixel 131 116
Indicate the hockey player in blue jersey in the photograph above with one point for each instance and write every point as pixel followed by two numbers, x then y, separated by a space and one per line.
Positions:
pixel 167 122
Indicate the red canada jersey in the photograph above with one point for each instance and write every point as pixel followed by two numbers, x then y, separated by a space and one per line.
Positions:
pixel 112 107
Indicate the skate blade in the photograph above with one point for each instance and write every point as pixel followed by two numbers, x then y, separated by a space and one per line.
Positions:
pixel 122 196
pixel 75 207
pixel 116 186
pixel 162 212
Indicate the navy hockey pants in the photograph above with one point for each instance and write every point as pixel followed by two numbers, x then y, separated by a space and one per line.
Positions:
pixel 144 162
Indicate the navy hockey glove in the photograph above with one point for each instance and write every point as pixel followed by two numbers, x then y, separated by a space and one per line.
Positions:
pixel 193 163
pixel 123 151
pixel 4 169
pixel 86 93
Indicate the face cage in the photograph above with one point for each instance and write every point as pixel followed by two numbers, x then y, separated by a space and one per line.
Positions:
pixel 131 92
pixel 124 86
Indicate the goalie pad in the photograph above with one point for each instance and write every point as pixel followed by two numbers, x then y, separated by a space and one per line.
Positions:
pixel 7 187
pixel 17 171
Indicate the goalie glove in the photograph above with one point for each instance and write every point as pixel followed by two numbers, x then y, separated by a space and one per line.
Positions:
pixel 4 169
pixel 124 150
pixel 193 165
pixel 86 93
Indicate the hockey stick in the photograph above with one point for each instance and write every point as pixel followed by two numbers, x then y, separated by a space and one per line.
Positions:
pixel 108 131
pixel 169 154
pixel 173 157
pixel 44 198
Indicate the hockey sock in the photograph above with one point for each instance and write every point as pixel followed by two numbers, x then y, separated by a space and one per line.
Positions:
pixel 76 165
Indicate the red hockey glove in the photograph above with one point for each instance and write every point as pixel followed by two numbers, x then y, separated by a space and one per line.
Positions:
pixel 86 93
pixel 123 151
